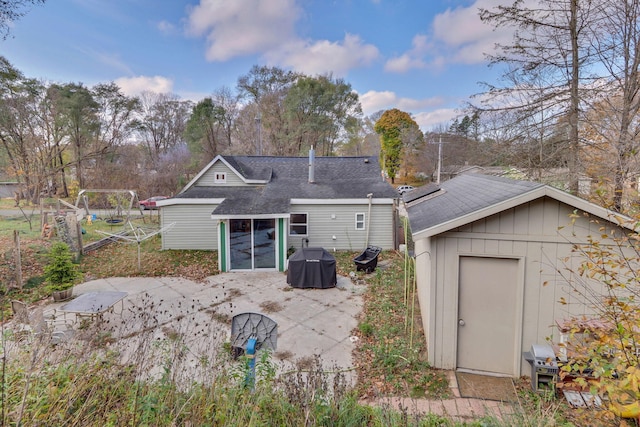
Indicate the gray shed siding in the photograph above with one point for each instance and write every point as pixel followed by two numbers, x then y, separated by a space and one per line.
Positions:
pixel 208 178
pixel 9 189
pixel 533 234
pixel 194 228
pixel 322 227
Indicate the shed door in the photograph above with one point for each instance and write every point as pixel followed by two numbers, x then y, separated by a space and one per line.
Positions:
pixel 487 308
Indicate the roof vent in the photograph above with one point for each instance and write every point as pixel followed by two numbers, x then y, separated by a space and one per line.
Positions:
pixel 312 156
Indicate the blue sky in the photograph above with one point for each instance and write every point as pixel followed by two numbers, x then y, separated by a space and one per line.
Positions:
pixel 421 56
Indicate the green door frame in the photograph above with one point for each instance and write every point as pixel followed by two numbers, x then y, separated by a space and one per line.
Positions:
pixel 222 247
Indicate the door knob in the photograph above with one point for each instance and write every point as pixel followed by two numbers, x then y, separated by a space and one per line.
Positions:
pixel 460 322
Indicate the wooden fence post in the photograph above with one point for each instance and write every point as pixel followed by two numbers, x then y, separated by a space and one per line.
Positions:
pixel 18 258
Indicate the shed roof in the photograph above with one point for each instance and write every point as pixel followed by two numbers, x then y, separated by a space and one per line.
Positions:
pixel 468 198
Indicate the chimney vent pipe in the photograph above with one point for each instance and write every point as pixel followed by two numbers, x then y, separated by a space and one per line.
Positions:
pixel 312 159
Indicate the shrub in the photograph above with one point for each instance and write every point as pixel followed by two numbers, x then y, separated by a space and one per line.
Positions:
pixel 60 272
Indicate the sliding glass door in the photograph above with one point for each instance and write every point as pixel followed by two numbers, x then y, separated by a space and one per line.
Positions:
pixel 252 243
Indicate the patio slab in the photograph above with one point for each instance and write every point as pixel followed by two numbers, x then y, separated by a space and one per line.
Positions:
pixel 310 321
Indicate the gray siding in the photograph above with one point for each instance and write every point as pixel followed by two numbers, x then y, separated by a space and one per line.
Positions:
pixel 208 178
pixel 541 235
pixel 194 228
pixel 322 226
pixel 8 189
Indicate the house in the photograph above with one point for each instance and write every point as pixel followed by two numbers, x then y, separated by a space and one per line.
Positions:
pixel 491 266
pixel 253 209
pixel 555 177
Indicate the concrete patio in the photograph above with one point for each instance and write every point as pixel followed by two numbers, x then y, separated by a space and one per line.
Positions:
pixel 311 322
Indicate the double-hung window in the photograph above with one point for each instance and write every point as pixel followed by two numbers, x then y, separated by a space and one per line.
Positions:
pixel 360 225
pixel 298 224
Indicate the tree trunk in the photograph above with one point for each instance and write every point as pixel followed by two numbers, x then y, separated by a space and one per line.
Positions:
pixel 574 141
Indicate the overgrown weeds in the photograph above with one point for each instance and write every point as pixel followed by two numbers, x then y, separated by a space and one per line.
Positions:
pixel 392 355
pixel 151 369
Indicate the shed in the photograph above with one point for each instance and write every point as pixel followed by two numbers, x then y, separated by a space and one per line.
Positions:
pixel 490 255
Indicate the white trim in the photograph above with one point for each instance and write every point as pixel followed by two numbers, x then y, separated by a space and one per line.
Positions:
pixel 521 199
pixel 176 201
pixel 253 266
pixel 220 178
pixel 306 224
pixel 212 201
pixel 364 219
pixel 248 216
pixel 363 201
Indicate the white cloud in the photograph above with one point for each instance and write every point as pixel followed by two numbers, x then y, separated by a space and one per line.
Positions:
pixel 457 36
pixel 373 101
pixel 323 56
pixel 412 59
pixel 194 97
pixel 248 27
pixel 403 63
pixel 166 27
pixel 242 27
pixel 466 37
pixel 135 85
pixel 429 119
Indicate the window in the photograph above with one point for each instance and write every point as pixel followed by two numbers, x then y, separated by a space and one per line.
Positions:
pixel 360 221
pixel 298 224
pixel 220 178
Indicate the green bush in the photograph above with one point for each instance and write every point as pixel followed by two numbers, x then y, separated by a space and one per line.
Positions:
pixel 60 272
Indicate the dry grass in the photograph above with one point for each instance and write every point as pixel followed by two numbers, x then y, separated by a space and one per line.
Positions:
pixel 116 259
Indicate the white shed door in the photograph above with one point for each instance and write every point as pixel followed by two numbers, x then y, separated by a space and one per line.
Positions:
pixel 487 310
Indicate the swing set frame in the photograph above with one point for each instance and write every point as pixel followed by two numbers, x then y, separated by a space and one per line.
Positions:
pixel 133 198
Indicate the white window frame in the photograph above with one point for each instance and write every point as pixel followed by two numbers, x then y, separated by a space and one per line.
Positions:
pixel 361 224
pixel 299 224
pixel 220 177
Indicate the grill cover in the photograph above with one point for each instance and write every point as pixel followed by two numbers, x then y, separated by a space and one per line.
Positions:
pixel 312 268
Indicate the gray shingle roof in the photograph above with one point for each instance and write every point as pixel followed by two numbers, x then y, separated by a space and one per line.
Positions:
pixel 460 196
pixel 288 178
pixel 250 169
pixel 251 201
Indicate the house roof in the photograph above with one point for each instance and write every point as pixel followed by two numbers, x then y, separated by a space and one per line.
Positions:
pixel 468 198
pixel 279 179
pixel 253 201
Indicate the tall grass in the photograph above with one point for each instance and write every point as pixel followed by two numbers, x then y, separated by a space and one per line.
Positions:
pixel 151 368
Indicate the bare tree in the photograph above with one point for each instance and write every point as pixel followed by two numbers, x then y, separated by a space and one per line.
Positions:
pixel 162 123
pixel 551 43
pixel 616 43
pixel 229 101
pixel 11 11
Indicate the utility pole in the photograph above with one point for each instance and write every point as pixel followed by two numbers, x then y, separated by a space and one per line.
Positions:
pixel 439 159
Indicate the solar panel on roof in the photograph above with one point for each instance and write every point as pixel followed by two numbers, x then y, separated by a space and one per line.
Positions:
pixel 421 192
